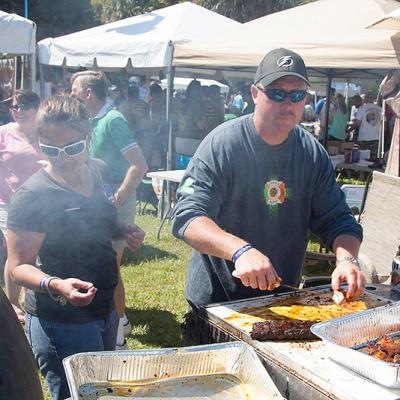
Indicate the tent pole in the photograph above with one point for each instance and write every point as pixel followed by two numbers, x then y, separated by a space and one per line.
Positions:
pixel 23 72
pixel 170 88
pixel 381 142
pixel 42 94
pixel 15 73
pixel 327 103
pixel 33 71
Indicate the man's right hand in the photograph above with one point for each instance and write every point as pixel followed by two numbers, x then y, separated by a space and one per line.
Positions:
pixel 254 269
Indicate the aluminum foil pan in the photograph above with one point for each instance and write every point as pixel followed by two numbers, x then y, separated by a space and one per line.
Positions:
pixel 344 335
pixel 226 371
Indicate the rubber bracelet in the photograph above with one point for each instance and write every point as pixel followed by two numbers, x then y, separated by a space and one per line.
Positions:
pixel 240 251
pixel 58 299
pixel 42 283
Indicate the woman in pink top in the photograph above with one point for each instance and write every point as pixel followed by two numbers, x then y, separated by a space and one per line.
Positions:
pixel 20 158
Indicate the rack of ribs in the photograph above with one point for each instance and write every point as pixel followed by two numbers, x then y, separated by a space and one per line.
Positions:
pixel 283 330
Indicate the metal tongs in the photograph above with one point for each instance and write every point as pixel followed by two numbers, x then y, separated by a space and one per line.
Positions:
pixel 297 289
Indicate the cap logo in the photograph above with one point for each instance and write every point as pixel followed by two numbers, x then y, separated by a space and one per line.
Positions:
pixel 285 62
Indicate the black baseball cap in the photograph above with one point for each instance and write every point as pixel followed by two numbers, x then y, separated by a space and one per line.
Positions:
pixel 278 63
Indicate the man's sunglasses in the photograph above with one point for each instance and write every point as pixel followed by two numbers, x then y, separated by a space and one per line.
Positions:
pixel 71 150
pixel 279 95
pixel 21 107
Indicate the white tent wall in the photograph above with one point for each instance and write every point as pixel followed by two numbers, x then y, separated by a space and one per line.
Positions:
pixel 18 38
pixel 139 42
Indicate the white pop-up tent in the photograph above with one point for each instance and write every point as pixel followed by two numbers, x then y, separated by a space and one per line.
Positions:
pixel 389 21
pixel 143 44
pixel 140 42
pixel 330 35
pixel 326 33
pixel 18 37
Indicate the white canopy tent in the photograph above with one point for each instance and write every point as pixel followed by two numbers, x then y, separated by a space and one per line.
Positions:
pixel 140 42
pixel 389 21
pixel 18 37
pixel 330 35
pixel 143 44
pixel 326 33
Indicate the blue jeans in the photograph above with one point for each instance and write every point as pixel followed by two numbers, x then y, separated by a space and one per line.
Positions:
pixel 52 341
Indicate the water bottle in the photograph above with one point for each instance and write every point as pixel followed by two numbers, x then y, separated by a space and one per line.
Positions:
pixel 355 154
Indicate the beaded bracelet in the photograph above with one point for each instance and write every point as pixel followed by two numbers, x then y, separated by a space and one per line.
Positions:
pixel 240 251
pixel 350 259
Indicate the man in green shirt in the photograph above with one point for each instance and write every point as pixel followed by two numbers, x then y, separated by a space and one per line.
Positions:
pixel 112 142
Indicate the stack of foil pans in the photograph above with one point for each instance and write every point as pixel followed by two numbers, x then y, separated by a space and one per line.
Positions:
pixel 345 336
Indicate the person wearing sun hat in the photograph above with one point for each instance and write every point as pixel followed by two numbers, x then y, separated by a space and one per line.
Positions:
pixel 254 189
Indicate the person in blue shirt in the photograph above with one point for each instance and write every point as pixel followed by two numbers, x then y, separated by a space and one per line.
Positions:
pixel 254 189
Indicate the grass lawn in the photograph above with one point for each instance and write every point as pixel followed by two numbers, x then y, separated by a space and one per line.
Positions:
pixel 154 280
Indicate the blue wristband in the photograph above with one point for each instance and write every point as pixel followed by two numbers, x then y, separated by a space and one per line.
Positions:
pixel 240 251
pixel 43 282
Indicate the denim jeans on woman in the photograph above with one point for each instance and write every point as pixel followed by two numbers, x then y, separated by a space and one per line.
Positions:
pixel 52 341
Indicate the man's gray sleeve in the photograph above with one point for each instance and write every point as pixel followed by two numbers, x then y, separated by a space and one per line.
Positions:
pixel 200 193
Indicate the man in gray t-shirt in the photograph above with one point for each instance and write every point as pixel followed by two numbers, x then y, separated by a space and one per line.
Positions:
pixel 254 189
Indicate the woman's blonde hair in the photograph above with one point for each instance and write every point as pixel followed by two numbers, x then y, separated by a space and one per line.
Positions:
pixel 63 110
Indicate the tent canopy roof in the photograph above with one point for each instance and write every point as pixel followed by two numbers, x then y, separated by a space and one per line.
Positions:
pixel 326 33
pixel 139 41
pixel 389 21
pixel 18 34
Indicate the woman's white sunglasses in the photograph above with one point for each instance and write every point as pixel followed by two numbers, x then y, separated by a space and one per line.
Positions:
pixel 70 150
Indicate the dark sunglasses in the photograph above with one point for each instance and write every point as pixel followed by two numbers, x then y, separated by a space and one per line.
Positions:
pixel 279 95
pixel 71 150
pixel 21 107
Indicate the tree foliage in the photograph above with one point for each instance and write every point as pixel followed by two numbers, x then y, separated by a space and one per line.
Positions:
pixel 244 10
pixel 54 17
pixel 114 10
pixel 239 10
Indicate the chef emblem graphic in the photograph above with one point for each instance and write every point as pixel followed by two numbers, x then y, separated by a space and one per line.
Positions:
pixel 275 192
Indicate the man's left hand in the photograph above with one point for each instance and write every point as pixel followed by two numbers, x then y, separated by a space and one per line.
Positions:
pixel 347 271
pixel 134 237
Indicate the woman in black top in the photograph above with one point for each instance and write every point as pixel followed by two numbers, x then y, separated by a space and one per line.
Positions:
pixel 61 222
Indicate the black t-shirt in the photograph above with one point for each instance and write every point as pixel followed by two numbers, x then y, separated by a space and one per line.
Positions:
pixel 77 243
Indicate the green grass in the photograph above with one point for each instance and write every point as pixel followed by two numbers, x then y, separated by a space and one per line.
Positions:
pixel 154 280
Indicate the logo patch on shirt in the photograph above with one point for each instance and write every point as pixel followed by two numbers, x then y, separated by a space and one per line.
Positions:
pixel 275 192
pixel 108 192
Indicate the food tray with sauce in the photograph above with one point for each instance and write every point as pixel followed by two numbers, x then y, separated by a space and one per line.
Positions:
pixel 238 317
pixel 228 371
pixel 345 336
